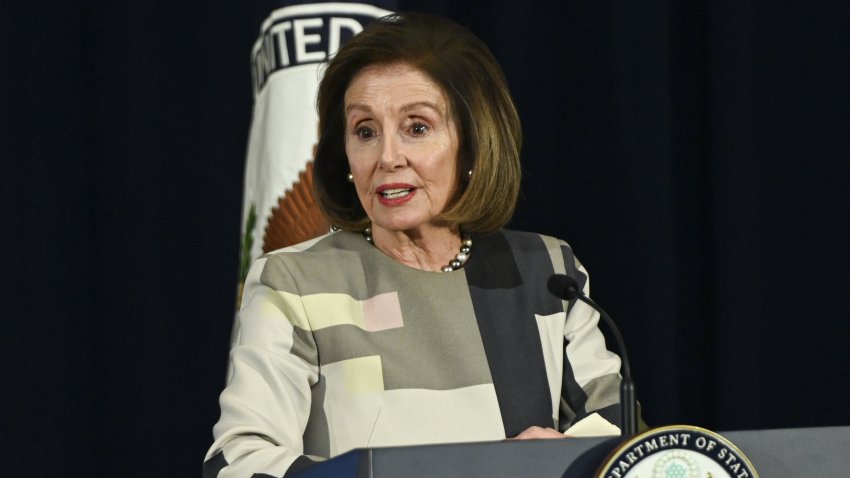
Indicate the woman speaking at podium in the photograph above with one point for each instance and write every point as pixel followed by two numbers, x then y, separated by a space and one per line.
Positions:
pixel 420 319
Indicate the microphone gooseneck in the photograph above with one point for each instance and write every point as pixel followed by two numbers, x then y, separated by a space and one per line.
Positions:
pixel 565 287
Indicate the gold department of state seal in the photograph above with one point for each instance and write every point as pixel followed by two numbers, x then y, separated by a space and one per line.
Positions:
pixel 678 451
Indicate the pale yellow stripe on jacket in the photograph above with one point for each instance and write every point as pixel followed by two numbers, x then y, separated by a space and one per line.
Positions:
pixel 363 374
pixel 320 311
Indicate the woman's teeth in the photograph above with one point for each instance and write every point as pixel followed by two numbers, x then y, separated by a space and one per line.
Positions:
pixel 395 193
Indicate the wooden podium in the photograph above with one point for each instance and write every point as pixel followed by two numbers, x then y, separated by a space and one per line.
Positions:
pixel 785 453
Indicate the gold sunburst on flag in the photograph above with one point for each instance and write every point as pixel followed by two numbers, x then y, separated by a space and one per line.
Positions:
pixel 296 218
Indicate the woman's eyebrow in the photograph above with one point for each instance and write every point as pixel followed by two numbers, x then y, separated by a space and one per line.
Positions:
pixel 421 104
pixel 357 107
pixel 404 109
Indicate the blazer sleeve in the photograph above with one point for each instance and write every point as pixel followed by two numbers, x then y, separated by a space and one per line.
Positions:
pixel 266 404
pixel 591 381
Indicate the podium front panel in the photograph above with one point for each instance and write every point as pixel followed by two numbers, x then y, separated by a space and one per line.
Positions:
pixel 783 453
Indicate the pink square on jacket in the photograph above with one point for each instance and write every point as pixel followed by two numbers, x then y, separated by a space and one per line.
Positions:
pixel 382 312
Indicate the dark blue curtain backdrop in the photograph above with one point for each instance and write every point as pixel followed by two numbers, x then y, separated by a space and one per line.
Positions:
pixel 694 153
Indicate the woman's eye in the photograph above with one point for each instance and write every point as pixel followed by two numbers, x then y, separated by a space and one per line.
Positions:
pixel 364 133
pixel 418 129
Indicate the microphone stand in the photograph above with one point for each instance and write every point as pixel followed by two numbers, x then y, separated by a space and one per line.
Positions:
pixel 628 402
pixel 566 288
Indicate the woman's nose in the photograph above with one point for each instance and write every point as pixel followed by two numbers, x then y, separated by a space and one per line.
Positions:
pixel 392 156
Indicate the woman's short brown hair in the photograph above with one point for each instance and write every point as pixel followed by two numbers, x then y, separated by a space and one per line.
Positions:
pixel 489 130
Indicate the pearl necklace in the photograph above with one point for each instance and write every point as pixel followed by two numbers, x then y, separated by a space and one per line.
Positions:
pixel 455 264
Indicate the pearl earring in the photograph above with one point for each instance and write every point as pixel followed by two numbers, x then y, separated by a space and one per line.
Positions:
pixel 350 178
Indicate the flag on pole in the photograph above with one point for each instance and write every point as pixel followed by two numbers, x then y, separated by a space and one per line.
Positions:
pixel 295 38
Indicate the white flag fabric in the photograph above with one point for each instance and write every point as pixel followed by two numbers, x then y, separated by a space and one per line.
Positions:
pixel 293 42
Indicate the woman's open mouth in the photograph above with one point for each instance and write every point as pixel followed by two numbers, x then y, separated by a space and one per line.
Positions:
pixel 395 194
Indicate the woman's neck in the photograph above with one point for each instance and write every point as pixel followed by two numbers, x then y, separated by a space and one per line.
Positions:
pixel 427 249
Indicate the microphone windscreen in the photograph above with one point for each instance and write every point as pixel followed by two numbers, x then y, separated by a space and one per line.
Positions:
pixel 563 287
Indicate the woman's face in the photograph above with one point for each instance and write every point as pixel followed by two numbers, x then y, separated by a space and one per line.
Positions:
pixel 401 145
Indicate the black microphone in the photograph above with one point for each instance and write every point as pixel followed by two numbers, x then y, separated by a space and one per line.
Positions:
pixel 565 287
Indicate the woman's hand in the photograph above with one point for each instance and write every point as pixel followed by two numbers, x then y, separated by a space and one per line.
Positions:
pixel 536 432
